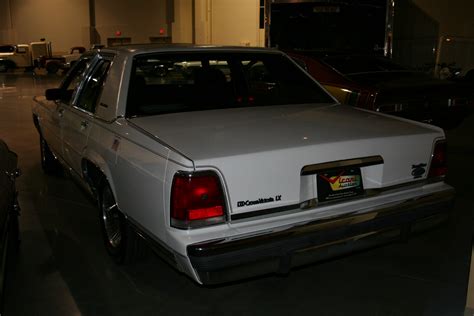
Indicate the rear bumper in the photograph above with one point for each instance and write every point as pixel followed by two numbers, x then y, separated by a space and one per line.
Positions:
pixel 230 259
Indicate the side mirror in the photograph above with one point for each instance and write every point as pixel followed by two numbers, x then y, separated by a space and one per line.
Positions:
pixel 54 94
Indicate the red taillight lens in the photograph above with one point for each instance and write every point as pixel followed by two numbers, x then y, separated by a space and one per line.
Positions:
pixel 196 200
pixel 439 162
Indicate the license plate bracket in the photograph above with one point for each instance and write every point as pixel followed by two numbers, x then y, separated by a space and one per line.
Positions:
pixel 339 184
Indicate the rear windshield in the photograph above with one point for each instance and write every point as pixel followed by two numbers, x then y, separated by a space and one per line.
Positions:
pixel 362 64
pixel 7 49
pixel 169 83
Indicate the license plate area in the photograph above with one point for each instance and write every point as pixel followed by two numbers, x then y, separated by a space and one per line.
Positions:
pixel 339 184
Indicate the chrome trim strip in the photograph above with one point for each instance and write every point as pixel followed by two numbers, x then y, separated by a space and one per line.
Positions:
pixel 426 204
pixel 162 250
pixel 313 203
pixel 355 162
pixel 264 212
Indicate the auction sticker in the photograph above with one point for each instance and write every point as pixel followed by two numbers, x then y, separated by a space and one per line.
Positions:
pixel 339 184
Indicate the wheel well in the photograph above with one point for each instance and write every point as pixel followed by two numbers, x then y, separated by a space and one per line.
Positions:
pixel 93 175
pixel 10 63
pixel 36 122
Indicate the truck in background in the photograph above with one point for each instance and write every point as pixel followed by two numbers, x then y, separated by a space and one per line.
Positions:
pixel 36 55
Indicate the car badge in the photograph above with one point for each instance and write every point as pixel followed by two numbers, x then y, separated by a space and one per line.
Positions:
pixel 418 170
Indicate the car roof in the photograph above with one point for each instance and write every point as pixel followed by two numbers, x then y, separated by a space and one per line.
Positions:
pixel 136 49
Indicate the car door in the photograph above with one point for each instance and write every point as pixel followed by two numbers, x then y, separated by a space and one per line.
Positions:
pixel 79 117
pixel 69 86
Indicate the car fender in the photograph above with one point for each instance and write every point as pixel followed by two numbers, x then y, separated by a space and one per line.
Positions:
pixel 92 157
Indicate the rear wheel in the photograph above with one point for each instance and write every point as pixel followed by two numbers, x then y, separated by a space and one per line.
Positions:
pixel 49 163
pixel 120 240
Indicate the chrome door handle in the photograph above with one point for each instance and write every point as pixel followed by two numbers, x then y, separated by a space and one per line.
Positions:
pixel 84 124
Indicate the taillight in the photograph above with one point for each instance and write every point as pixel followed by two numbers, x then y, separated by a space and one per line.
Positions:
pixel 196 200
pixel 439 162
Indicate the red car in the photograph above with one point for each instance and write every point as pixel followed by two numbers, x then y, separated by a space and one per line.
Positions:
pixel 377 83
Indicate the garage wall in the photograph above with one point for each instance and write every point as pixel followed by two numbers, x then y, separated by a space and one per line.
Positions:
pixel 228 22
pixel 235 22
pixel 454 16
pixel 64 22
pixel 6 27
pixel 137 19
pixel 183 21
pixel 419 24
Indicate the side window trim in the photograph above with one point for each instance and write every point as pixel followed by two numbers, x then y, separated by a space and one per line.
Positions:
pixel 93 69
pixel 73 75
pixel 86 76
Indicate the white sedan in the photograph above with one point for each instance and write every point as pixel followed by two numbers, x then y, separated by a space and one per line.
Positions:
pixel 234 162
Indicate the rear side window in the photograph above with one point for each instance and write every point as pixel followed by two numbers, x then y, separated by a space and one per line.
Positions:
pixel 164 83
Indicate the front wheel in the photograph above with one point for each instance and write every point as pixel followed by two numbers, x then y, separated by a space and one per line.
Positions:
pixel 3 66
pixel 119 238
pixel 52 67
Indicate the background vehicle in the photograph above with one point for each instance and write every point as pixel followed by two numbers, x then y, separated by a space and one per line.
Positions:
pixel 9 210
pixel 36 55
pixel 379 84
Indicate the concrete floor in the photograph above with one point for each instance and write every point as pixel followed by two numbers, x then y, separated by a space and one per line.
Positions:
pixel 62 268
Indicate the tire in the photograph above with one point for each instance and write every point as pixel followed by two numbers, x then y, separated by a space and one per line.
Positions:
pixel 49 163
pixel 52 67
pixel 120 240
pixel 3 66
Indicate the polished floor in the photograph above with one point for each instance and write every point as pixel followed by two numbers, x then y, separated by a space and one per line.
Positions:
pixel 62 268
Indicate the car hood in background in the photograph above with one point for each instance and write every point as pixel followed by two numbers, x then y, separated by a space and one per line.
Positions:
pixel 397 79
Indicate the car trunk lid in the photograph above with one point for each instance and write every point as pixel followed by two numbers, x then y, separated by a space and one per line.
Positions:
pixel 260 152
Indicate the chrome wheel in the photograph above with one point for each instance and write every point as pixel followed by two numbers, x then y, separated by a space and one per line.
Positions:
pixel 111 219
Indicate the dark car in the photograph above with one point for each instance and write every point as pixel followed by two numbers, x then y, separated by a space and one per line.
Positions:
pixel 379 84
pixel 9 210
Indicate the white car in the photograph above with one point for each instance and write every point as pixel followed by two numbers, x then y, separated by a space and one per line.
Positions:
pixel 238 166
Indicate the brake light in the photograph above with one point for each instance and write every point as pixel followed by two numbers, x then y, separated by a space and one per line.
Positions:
pixel 196 200
pixel 439 162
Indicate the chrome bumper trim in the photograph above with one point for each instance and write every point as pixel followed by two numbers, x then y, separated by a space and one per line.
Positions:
pixel 232 258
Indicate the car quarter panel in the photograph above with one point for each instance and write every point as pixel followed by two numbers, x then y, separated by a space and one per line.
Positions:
pixel 135 166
